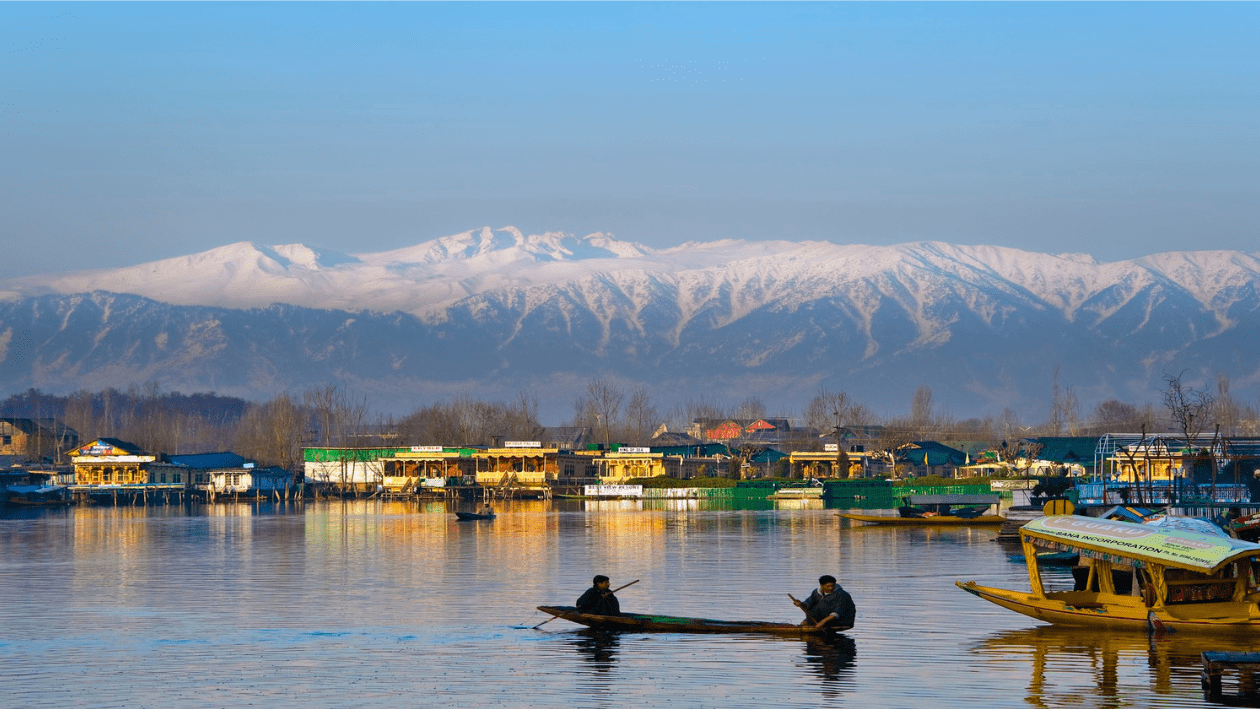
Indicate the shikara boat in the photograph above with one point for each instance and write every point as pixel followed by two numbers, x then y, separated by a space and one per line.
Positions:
pixel 1182 580
pixel 470 516
pixel 933 510
pixel 38 495
pixel 927 521
pixel 637 622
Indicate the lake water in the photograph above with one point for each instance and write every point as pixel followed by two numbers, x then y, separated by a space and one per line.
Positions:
pixel 389 604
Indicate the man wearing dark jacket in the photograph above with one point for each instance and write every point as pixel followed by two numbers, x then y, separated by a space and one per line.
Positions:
pixel 828 606
pixel 598 599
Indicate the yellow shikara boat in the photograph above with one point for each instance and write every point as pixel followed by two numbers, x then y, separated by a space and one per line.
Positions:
pixel 1182 580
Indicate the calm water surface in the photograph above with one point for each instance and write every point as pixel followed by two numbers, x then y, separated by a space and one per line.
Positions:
pixel 388 604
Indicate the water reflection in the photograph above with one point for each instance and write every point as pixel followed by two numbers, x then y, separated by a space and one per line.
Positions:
pixel 384 601
pixel 598 648
pixel 832 659
pixel 1113 660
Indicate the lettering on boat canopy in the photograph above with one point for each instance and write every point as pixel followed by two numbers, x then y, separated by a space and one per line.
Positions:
pixel 1184 549
pixel 1102 528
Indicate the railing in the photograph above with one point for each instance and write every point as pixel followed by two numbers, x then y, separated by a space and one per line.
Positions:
pixel 1160 493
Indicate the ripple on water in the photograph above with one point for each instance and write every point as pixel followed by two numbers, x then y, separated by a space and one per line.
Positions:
pixel 369 604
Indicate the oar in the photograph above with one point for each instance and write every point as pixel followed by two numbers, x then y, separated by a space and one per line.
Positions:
pixel 556 616
pixel 798 605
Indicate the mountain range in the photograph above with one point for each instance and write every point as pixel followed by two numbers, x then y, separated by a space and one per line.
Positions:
pixel 492 312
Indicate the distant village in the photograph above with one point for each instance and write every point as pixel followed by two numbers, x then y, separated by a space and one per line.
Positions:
pixel 565 460
pixel 323 445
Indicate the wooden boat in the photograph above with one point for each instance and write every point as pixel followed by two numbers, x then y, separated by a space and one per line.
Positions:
pixel 637 622
pixel 38 495
pixel 931 510
pixel 22 501
pixel 928 521
pixel 1183 580
pixel 470 516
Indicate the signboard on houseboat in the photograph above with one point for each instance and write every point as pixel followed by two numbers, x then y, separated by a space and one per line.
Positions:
pixel 613 490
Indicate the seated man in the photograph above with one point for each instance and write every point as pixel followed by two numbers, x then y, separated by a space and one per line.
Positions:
pixel 828 605
pixel 598 599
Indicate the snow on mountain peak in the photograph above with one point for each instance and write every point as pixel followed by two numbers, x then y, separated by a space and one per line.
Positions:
pixel 739 276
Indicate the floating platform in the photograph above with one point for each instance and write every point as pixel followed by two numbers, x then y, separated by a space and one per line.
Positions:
pixel 1246 667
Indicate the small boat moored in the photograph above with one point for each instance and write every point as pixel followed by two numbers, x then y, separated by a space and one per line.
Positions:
pixel 471 516
pixel 38 495
pixel 928 510
pixel 638 622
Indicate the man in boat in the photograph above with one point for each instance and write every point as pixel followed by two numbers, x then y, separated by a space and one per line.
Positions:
pixel 829 604
pixel 486 510
pixel 599 599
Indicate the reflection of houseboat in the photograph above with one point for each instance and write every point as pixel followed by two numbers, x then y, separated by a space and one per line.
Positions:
pixel 1184 580
pixel 798 493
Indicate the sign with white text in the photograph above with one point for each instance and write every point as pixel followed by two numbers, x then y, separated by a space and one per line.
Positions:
pixel 613 490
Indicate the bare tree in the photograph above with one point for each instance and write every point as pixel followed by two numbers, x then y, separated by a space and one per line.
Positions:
pixel 751 408
pixel 641 415
pixel 1190 411
pixel 921 409
pixel 831 413
pixel 894 436
pixel 1113 416
pixel 339 417
pixel 605 401
pixel 1071 411
pixel 1226 408
pixel 272 433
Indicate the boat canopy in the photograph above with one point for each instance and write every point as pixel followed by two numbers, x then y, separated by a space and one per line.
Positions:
pixel 29 489
pixel 992 499
pixel 1145 543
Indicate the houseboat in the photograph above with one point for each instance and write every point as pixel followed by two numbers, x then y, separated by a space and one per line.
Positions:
pixel 1177 579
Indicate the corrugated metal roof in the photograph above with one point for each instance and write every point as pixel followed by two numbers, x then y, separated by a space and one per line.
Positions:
pixel 204 461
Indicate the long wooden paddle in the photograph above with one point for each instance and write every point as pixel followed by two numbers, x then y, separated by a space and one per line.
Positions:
pixel 556 616
pixel 798 605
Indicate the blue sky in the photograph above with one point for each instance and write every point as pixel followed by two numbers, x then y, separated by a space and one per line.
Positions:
pixel 130 132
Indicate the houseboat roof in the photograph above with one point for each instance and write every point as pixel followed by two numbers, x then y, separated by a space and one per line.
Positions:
pixel 1183 549
pixel 223 459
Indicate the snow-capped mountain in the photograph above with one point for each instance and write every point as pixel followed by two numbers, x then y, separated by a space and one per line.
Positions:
pixel 495 311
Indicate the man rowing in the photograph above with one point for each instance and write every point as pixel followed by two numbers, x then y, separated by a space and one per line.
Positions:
pixel 829 605
pixel 599 599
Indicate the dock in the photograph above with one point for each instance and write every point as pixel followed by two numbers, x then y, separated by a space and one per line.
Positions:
pixel 1244 665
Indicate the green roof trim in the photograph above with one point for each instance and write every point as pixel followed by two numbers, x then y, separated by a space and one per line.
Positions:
pixel 349 455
